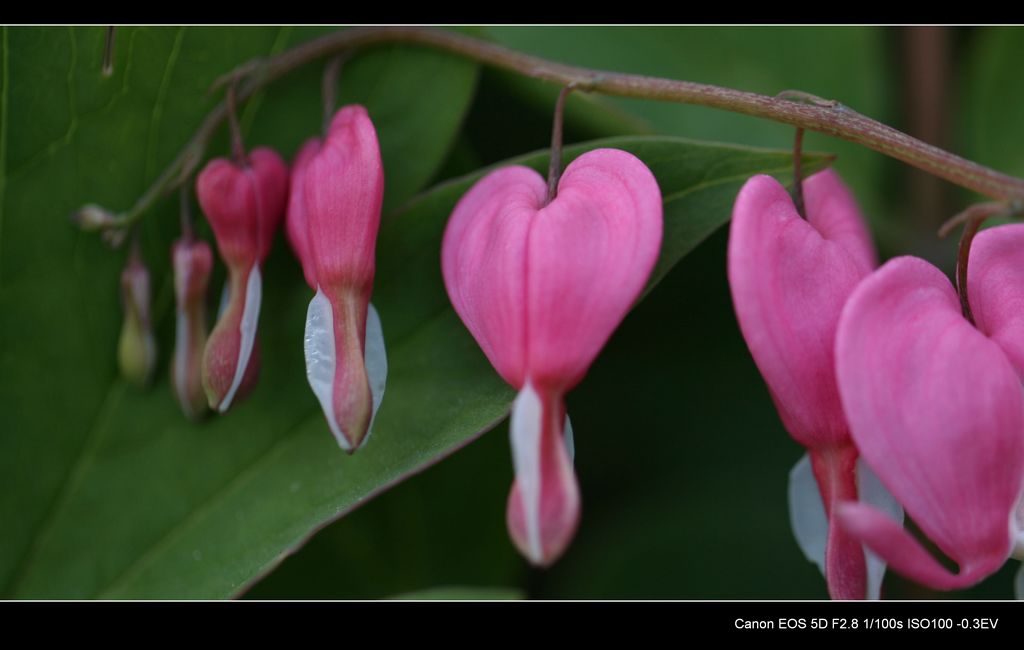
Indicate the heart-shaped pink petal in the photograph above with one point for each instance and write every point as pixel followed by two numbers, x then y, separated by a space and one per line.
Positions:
pixel 936 409
pixel 790 279
pixel 995 283
pixel 541 288
pixel 344 191
pixel 244 204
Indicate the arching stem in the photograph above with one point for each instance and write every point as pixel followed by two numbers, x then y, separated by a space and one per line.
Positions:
pixel 237 144
pixel 807 111
pixel 329 88
pixel 555 165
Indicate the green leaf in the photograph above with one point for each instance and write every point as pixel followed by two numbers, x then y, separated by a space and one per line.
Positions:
pixel 68 136
pixel 108 491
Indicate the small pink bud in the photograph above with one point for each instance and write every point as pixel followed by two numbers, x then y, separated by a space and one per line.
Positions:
pixel 936 408
pixel 136 349
pixel 193 262
pixel 244 205
pixel 333 218
pixel 542 288
pixel 789 279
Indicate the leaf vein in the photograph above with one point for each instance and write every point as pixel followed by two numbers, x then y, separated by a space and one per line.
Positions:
pixel 158 105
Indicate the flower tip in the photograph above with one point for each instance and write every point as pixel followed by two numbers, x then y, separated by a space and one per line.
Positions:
pixel 221 382
pixel 193 261
pixel 231 357
pixel 348 381
pixel 136 354
pixel 544 505
pixel 556 528
pixel 136 349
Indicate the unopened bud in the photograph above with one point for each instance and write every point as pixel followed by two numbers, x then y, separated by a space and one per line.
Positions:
pixel 244 206
pixel 333 218
pixel 192 264
pixel 136 350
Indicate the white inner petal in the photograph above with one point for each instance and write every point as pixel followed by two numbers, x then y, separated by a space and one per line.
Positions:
pixel 570 445
pixel 1017 529
pixel 247 328
pixel 376 360
pixel 871 491
pixel 318 343
pixel 181 349
pixel 807 512
pixel 525 429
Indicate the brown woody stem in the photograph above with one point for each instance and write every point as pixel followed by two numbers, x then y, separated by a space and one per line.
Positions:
pixel 794 108
pixel 555 164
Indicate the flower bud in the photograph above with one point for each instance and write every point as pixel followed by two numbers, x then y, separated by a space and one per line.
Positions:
pixel 542 287
pixel 136 349
pixel 244 205
pixel 337 192
pixel 193 262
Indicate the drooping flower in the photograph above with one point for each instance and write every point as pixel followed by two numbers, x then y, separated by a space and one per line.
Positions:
pixel 337 189
pixel 136 348
pixel 936 408
pixel 244 204
pixel 193 262
pixel 790 278
pixel 542 288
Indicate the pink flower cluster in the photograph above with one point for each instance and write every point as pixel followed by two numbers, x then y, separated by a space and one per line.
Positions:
pixel 540 283
pixel 901 402
pixel 332 198
pixel 881 366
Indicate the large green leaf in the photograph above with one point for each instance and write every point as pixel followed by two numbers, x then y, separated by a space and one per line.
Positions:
pixel 108 491
pixel 69 135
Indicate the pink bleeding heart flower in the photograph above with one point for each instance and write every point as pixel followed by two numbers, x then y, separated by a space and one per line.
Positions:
pixel 244 205
pixel 333 218
pixel 936 408
pixel 193 262
pixel 995 281
pixel 790 278
pixel 542 288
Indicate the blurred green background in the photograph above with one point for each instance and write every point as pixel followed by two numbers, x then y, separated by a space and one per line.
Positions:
pixel 681 458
